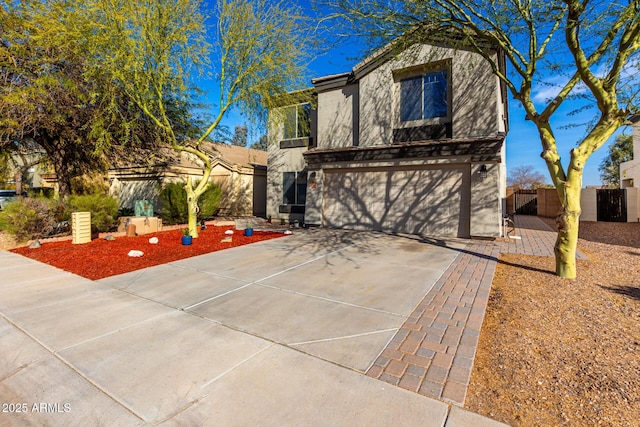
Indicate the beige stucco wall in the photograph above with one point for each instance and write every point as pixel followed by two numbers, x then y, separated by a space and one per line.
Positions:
pixel 313 212
pixel 589 204
pixel 633 204
pixel 486 207
pixel 476 104
pixel 281 160
pixel 237 190
pixel 630 171
pixel 338 117
pixel 548 202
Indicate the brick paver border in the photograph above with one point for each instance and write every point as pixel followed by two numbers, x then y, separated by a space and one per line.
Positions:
pixel 432 353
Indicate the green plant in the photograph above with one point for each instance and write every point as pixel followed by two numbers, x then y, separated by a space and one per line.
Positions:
pixel 104 209
pixel 28 218
pixel 174 209
pixel 186 232
pixel 283 221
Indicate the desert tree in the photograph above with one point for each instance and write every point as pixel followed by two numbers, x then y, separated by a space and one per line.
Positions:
pixel 584 51
pixel 156 46
pixel 621 150
pixel 42 93
pixel 261 144
pixel 525 177
pixel 240 136
pixel 50 96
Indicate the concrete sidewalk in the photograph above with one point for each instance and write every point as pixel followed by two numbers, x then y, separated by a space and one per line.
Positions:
pixel 276 333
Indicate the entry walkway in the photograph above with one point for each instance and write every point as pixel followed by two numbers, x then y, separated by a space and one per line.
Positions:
pixel 432 353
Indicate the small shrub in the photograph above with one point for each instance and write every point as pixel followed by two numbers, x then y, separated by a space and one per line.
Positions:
pixel 174 208
pixel 29 218
pixel 90 184
pixel 210 201
pixel 174 204
pixel 42 192
pixel 104 209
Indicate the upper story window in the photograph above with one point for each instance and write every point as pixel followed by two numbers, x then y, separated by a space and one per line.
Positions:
pixel 297 122
pixel 424 96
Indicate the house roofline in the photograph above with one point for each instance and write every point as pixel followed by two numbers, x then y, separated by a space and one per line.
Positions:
pixel 296 97
pixel 386 53
pixel 335 81
pixel 497 138
pixel 485 149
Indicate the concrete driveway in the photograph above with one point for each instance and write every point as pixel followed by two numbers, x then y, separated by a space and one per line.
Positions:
pixel 275 333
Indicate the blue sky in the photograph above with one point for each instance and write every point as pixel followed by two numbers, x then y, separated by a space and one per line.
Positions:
pixel 523 144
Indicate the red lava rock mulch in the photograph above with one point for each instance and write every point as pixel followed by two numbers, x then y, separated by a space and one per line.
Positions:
pixel 102 258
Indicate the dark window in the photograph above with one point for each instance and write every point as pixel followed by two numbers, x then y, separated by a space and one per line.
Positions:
pixel 424 97
pixel 294 188
pixel 297 121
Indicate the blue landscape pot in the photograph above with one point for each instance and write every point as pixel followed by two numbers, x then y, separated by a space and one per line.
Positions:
pixel 187 240
pixel 248 231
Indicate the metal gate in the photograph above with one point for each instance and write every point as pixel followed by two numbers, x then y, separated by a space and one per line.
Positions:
pixel 612 205
pixel 526 202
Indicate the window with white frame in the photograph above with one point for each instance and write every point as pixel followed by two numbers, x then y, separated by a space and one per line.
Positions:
pixel 424 96
pixel 297 121
pixel 294 188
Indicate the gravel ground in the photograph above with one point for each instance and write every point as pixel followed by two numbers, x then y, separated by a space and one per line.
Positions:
pixel 555 352
pixel 7 242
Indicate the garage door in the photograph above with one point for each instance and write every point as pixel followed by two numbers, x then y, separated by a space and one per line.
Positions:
pixel 427 200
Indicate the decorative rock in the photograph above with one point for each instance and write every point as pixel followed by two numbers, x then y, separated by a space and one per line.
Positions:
pixel 153 240
pixel 228 232
pixel 227 239
pixel 109 237
pixel 288 232
pixel 35 244
pixel 135 253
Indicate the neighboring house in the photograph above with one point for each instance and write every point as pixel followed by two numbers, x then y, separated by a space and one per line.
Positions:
pixel 241 172
pixel 25 168
pixel 409 143
pixel 630 171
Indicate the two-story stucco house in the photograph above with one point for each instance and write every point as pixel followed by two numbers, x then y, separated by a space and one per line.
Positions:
pixel 409 142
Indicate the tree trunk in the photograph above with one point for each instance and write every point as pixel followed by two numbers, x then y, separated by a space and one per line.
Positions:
pixel 56 153
pixel 62 175
pixel 192 210
pixel 568 222
pixel 566 244
pixel 193 194
pixel 17 177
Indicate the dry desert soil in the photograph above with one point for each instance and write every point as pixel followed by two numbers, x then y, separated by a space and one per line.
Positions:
pixel 557 352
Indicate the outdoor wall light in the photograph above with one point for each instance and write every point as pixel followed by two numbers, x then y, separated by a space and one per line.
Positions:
pixel 483 171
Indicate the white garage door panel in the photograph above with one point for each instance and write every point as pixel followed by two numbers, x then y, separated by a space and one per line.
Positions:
pixel 431 201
